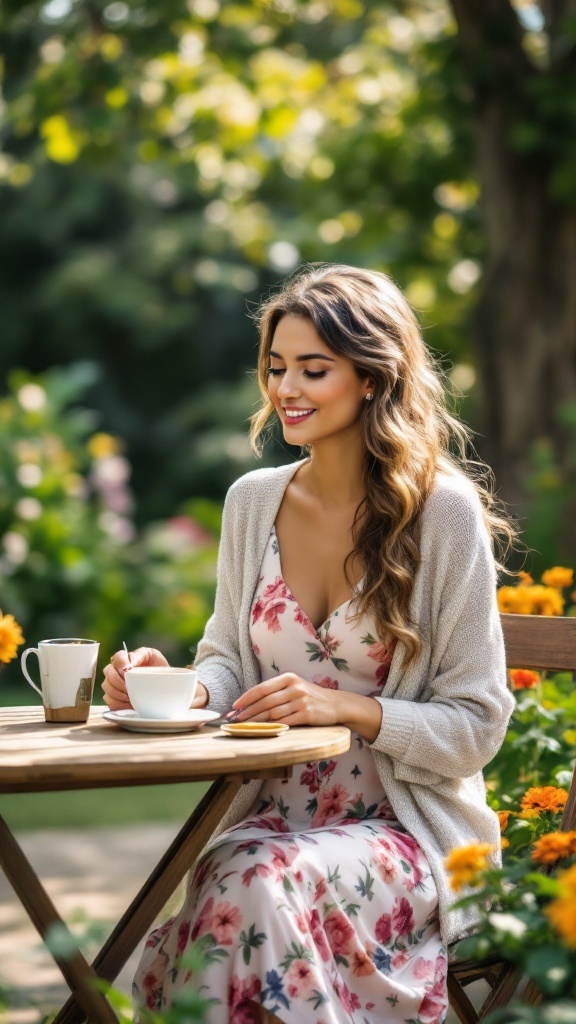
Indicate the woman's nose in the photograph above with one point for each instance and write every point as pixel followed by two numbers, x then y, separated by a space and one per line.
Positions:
pixel 288 387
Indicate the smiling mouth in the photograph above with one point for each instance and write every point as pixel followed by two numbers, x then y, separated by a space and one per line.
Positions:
pixel 294 415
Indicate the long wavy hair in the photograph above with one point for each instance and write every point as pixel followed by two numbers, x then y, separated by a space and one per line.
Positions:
pixel 408 430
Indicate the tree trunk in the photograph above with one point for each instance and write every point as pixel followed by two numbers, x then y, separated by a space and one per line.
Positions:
pixel 524 324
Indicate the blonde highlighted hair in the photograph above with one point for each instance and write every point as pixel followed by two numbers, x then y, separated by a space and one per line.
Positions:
pixel 409 432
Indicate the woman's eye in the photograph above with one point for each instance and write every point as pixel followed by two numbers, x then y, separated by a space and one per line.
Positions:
pixel 274 372
pixel 315 374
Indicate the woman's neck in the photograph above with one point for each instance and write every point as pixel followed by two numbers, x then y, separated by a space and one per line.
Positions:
pixel 334 475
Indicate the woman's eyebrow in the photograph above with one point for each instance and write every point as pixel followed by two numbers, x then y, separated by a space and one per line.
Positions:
pixel 302 359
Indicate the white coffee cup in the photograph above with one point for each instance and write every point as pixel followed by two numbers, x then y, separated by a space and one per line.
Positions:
pixel 161 691
pixel 67 673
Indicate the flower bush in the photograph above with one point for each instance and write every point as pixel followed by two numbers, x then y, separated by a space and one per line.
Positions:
pixel 73 560
pixel 527 908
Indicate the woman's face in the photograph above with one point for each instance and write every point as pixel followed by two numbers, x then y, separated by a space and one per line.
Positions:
pixel 316 393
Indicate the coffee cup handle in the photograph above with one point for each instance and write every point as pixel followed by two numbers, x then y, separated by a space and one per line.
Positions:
pixel 30 650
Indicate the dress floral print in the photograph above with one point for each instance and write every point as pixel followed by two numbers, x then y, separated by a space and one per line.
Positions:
pixel 318 905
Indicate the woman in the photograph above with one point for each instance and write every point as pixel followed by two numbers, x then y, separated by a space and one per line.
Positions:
pixel 356 587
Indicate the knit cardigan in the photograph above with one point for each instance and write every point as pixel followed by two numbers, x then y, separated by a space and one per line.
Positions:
pixel 443 718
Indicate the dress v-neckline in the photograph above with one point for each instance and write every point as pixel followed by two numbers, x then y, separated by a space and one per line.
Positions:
pixel 297 603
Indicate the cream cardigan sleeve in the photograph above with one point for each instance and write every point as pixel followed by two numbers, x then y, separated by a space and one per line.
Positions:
pixel 218 658
pixel 450 711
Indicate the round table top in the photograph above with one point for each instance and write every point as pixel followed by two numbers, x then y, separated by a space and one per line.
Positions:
pixel 38 756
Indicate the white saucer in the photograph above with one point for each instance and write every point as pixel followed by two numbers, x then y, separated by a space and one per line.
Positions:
pixel 129 719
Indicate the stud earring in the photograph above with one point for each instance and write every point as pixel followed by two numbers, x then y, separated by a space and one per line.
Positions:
pixel 369 397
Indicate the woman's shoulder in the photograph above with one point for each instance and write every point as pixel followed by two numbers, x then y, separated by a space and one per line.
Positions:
pixel 453 506
pixel 265 482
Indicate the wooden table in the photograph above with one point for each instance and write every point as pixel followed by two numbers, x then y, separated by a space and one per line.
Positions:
pixel 39 757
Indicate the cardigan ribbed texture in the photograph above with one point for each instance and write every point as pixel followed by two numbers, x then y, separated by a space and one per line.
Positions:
pixel 443 718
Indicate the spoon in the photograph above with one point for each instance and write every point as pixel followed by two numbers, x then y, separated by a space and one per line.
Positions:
pixel 128 653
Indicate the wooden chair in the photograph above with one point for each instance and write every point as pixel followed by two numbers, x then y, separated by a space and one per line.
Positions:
pixel 535 642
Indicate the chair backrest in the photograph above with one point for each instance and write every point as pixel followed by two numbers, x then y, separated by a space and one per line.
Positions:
pixel 544 642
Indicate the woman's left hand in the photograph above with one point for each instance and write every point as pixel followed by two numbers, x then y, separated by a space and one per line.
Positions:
pixel 291 700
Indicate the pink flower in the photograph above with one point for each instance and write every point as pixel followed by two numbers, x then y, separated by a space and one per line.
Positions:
pixel 225 923
pixel 240 994
pixel 402 916
pixel 271 604
pixel 302 618
pixel 300 978
pixel 309 777
pixel 433 1006
pixel 386 865
pixel 339 932
pixel 423 969
pixel 348 999
pixel 400 959
pixel 256 869
pixel 379 652
pixel 283 857
pixel 317 933
pixel 202 923
pixel 183 934
pixel 331 804
pixel 384 929
pixel 326 682
pixel 362 964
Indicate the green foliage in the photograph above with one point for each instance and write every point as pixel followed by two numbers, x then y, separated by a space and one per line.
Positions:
pixel 73 562
pixel 166 163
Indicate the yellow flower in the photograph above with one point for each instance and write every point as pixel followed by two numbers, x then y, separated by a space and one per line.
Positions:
pixel 546 601
pixel 544 798
pixel 100 446
pixel 10 637
pixel 525 579
pixel 558 577
pixel 515 600
pixel 504 842
pixel 561 911
pixel 553 846
pixel 465 862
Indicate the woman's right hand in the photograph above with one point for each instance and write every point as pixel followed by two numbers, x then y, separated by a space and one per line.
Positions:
pixel 114 685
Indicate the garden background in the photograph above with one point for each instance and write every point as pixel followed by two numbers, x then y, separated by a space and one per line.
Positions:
pixel 166 164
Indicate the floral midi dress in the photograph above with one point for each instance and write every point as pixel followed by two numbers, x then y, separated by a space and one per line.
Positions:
pixel 317 905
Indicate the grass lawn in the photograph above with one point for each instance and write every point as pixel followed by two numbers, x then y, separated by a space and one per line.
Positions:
pixel 81 808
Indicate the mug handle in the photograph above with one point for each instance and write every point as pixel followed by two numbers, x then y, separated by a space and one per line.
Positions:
pixel 30 650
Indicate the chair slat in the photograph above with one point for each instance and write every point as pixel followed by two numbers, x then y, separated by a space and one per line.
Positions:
pixel 540 642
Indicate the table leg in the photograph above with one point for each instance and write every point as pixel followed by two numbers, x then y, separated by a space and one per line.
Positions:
pixel 158 888
pixel 79 976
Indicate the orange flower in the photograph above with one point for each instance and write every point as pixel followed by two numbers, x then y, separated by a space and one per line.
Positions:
pixel 504 842
pixel 560 912
pixel 558 577
pixel 503 819
pixel 10 637
pixel 544 798
pixel 523 678
pixel 553 846
pixel 465 862
pixel 525 579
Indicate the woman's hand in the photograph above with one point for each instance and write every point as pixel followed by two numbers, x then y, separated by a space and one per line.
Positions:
pixel 294 701
pixel 114 685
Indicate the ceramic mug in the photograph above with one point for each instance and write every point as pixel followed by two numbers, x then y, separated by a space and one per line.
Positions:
pixel 161 691
pixel 67 673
